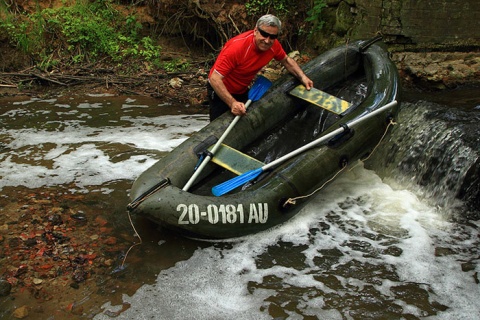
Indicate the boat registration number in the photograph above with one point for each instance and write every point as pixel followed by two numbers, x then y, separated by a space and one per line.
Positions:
pixel 223 213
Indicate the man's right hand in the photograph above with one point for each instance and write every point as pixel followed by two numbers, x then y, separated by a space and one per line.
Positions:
pixel 238 108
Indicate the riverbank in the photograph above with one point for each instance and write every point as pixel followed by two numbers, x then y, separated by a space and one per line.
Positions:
pixel 184 39
pixel 431 72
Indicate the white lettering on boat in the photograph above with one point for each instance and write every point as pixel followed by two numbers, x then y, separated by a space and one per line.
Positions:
pixel 223 213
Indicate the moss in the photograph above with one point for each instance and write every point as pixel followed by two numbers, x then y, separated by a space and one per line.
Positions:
pixel 343 19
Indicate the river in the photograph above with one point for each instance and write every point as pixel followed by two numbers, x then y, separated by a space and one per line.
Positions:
pixel 371 245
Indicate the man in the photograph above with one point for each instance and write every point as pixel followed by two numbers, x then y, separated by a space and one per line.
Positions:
pixel 240 60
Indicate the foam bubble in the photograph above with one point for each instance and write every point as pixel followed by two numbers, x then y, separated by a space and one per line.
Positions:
pixel 70 151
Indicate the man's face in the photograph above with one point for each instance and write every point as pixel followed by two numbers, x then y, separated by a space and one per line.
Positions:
pixel 265 37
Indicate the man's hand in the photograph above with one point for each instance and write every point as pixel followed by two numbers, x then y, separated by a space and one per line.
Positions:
pixel 307 82
pixel 238 108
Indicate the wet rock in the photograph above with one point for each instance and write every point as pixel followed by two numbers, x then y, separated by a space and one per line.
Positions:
pixel 79 275
pixel 74 285
pixel 15 242
pixel 21 270
pixel 79 216
pixel 175 83
pixel 30 242
pixel 79 260
pixel 108 262
pixel 468 266
pixel 55 219
pixel 5 288
pixel 439 252
pixel 21 312
pixel 101 221
pixel 111 241
pixel 59 237
pixel 77 310
pixel 57 210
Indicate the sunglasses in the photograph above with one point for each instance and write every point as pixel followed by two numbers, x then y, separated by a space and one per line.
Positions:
pixel 267 35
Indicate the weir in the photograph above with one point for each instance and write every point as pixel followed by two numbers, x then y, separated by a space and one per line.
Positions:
pixel 435 148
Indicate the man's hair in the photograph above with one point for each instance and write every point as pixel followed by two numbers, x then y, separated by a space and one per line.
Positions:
pixel 270 20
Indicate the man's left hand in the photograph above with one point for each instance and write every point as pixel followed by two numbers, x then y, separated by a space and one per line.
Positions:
pixel 307 82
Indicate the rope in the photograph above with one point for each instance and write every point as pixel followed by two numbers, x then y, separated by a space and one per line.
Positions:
pixel 133 245
pixel 391 123
pixel 135 203
pixel 293 201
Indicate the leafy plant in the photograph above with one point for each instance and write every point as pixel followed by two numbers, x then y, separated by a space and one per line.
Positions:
pixel 87 30
pixel 314 16
pixel 260 7
pixel 176 65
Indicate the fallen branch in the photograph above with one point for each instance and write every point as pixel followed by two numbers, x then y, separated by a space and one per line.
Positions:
pixel 49 79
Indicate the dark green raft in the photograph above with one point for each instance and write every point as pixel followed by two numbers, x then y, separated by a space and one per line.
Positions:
pixel 261 203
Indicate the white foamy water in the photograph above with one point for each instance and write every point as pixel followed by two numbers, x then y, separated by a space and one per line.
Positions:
pixel 360 249
pixel 384 251
pixel 61 148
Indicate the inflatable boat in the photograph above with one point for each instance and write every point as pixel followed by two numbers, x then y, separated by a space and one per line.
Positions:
pixel 243 175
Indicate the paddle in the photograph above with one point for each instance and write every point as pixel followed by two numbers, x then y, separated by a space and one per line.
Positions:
pixel 231 184
pixel 321 99
pixel 260 86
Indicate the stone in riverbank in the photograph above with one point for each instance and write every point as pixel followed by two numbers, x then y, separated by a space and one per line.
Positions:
pixel 442 69
pixel 5 288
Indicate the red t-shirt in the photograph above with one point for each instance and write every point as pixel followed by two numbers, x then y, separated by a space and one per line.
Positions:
pixel 240 60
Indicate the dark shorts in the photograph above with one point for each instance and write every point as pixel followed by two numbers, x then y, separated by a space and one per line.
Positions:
pixel 217 105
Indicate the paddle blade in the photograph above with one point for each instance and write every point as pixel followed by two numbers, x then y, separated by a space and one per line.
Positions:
pixel 260 86
pixel 236 182
pixel 321 99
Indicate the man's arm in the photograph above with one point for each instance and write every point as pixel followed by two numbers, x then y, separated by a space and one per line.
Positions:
pixel 236 107
pixel 293 67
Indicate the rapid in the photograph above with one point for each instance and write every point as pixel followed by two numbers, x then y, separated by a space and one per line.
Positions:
pixel 395 237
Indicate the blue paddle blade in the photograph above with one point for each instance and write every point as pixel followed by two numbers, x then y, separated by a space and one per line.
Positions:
pixel 236 182
pixel 260 86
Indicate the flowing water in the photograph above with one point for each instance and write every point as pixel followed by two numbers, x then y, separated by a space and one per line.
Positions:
pixel 376 243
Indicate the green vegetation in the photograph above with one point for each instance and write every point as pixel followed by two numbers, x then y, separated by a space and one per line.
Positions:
pixel 94 31
pixel 176 65
pixel 314 16
pixel 284 8
pixel 257 8
pixel 86 31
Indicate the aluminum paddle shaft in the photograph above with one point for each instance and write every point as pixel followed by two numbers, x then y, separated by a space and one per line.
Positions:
pixel 207 159
pixel 328 136
pixel 231 184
